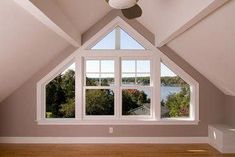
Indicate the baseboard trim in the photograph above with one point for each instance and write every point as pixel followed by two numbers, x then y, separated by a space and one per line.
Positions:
pixel 103 140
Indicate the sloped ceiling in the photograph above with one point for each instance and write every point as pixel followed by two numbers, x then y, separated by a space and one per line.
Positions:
pixel 84 13
pixel 163 17
pixel 25 46
pixel 209 47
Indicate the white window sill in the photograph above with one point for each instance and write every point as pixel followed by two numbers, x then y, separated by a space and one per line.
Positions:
pixel 117 122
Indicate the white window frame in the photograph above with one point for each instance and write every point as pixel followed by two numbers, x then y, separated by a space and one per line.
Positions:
pixel 150 87
pixel 150 52
pixel 95 117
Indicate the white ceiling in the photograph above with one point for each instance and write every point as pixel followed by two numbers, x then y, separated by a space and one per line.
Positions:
pixel 84 13
pixel 26 45
pixel 210 47
pixel 163 17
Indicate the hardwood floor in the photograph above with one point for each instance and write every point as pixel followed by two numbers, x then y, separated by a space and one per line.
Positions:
pixel 109 150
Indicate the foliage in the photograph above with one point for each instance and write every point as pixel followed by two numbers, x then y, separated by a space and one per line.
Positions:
pixel 60 96
pixel 68 109
pixel 172 81
pixel 178 103
pixel 99 102
pixel 133 98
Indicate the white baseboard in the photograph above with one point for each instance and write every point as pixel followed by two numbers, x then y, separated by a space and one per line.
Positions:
pixel 103 140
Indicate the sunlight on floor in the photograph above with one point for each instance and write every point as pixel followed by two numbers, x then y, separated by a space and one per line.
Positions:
pixel 196 150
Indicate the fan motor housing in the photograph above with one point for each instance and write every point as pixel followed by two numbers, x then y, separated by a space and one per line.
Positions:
pixel 122 4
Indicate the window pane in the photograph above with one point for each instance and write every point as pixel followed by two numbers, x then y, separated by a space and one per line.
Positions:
pixel 92 66
pixel 135 102
pixel 92 79
pixel 143 66
pixel 108 42
pixel 143 79
pixel 107 79
pixel 175 95
pixel 107 66
pixel 128 66
pixel 127 42
pixel 128 79
pixel 60 95
pixel 99 102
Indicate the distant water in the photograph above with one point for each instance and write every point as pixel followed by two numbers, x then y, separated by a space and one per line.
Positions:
pixel 167 90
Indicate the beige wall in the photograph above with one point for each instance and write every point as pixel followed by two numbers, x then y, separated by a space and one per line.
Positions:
pixel 18 111
pixel 229 117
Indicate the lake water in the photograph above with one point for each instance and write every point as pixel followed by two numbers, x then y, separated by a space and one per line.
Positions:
pixel 167 90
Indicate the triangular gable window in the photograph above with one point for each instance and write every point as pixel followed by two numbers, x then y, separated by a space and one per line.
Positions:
pixel 108 42
pixel 117 39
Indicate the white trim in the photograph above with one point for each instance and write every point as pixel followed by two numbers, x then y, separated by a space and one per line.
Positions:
pixel 46 79
pixel 103 140
pixel 151 51
pixel 110 120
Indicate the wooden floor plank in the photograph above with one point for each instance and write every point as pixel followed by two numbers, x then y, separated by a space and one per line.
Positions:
pixel 109 150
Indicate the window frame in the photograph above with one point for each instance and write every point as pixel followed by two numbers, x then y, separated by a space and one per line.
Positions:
pixel 95 117
pixel 150 51
pixel 150 87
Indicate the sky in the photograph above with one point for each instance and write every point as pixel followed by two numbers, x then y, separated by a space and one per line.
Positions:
pixel 127 42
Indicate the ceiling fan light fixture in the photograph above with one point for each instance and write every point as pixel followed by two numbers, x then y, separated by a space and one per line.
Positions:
pixel 122 4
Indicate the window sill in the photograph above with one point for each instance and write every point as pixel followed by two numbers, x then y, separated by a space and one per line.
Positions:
pixel 117 122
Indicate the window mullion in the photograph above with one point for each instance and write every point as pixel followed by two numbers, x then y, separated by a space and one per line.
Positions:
pixel 79 75
pixel 118 87
pixel 117 38
pixel 156 87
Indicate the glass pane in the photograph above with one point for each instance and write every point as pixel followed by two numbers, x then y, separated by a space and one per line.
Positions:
pixel 108 42
pixel 135 102
pixel 143 79
pixel 107 66
pixel 99 102
pixel 60 95
pixel 127 42
pixel 92 79
pixel 166 72
pixel 107 79
pixel 128 79
pixel 143 66
pixel 92 66
pixel 128 66
pixel 175 95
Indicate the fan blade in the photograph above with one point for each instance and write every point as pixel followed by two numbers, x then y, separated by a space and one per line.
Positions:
pixel 132 12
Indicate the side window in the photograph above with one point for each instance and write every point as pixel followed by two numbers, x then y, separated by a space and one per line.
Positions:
pixel 175 95
pixel 60 95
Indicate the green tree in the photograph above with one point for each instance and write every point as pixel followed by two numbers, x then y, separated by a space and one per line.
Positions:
pixel 133 98
pixel 178 103
pixel 60 96
pixel 172 81
pixel 68 83
pixel 68 109
pixel 99 102
pixel 55 96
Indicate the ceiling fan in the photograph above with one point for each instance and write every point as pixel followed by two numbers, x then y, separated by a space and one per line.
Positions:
pixel 130 9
